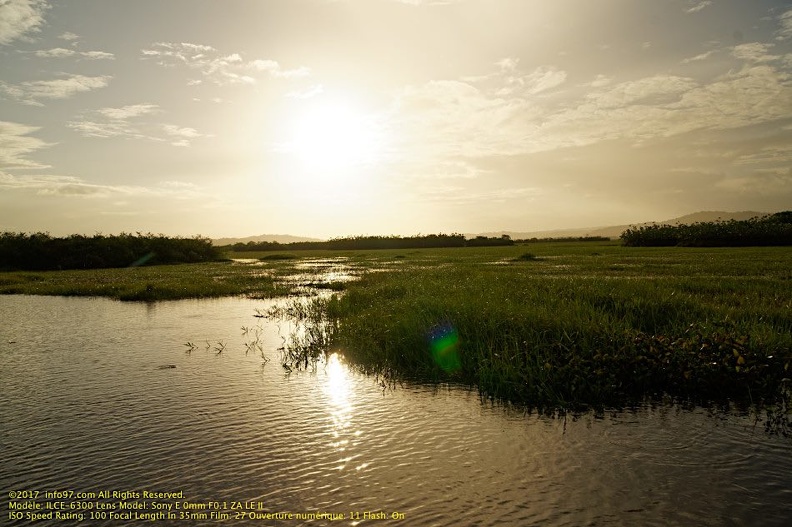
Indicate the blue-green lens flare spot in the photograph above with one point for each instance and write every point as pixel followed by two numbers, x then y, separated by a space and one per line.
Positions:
pixel 142 260
pixel 444 343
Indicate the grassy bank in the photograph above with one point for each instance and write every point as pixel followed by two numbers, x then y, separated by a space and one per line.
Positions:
pixel 161 282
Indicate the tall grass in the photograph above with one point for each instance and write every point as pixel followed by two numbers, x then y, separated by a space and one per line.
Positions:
pixel 576 336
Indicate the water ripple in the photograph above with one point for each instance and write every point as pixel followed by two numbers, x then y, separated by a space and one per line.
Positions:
pixel 85 406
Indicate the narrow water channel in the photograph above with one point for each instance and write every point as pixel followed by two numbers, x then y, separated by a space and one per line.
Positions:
pixel 175 397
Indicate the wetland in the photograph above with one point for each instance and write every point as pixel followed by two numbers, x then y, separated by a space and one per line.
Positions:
pixel 585 384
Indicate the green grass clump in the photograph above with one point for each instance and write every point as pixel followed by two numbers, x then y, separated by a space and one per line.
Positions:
pixel 527 257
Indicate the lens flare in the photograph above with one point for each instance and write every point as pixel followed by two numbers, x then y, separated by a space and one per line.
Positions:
pixel 444 343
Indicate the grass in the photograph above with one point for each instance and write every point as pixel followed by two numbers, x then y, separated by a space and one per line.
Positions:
pixel 162 282
pixel 568 325
pixel 574 326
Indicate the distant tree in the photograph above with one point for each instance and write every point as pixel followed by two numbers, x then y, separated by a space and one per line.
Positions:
pixel 775 229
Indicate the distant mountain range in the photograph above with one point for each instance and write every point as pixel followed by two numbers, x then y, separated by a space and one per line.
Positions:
pixel 613 231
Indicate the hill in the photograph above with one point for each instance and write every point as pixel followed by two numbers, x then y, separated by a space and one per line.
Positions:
pixel 614 231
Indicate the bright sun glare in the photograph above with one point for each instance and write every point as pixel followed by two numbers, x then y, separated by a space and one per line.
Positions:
pixel 334 136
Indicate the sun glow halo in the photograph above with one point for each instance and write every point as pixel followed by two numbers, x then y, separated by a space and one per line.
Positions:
pixel 333 137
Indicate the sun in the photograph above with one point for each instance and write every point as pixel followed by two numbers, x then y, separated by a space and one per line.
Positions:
pixel 332 137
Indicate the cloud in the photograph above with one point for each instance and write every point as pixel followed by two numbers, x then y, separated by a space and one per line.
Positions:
pixel 754 52
pixel 68 36
pixel 97 55
pixel 664 106
pixel 63 88
pixel 493 115
pixel 649 90
pixel 16 144
pixel 510 79
pixel 127 112
pixel 764 183
pixel 785 23
pixel 541 79
pixel 20 17
pixel 275 69
pixel 180 136
pixel 214 66
pixel 116 122
pixel 699 6
pixel 55 52
pixel 701 56
pixel 69 186
pixel 62 53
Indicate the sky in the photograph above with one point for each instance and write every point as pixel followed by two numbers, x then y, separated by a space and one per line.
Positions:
pixel 329 118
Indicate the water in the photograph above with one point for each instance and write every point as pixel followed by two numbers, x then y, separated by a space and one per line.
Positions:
pixel 90 401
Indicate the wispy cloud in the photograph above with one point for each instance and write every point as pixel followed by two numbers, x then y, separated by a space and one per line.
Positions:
pixel 696 58
pixel 275 70
pixel 63 52
pixel 20 17
pixel 16 144
pixel 69 186
pixel 754 52
pixel 125 121
pixel 127 112
pixel 492 115
pixel 180 136
pixel 510 79
pixel 214 66
pixel 699 6
pixel 785 25
pixel 32 92
pixel 55 53
pixel 68 36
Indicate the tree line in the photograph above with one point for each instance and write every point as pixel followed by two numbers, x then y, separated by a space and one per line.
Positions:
pixel 379 242
pixel 563 239
pixel 775 229
pixel 40 251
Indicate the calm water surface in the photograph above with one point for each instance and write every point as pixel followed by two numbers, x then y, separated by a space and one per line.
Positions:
pixel 89 401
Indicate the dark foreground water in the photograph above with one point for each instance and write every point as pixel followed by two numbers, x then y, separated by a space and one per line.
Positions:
pixel 91 403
